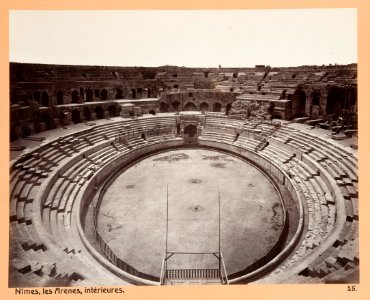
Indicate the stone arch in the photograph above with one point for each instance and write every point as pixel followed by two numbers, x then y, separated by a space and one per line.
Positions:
pixel 163 107
pixel 315 95
pixel 227 109
pixel 76 116
pixel 176 105
pixel 190 106
pixel 45 99
pixel 139 93
pixel 276 115
pixel 37 96
pixel 191 130
pixel 99 112
pixel 119 94
pixel 26 131
pixel 335 101
pixel 15 132
pixel 133 93
pixel 299 104
pixel 104 94
pixel 204 106
pixel 217 107
pixel 60 98
pixel 89 95
pixel 97 93
pixel 112 109
pixel 46 118
pixel 75 97
pixel 152 112
pixel 82 93
pixel 87 113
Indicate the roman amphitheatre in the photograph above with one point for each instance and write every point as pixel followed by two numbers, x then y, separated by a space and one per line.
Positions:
pixel 173 175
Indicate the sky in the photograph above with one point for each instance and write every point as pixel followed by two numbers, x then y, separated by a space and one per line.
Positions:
pixel 191 38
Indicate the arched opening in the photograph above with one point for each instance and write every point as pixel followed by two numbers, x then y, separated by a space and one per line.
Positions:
pixel 46 118
pixel 175 105
pixel 190 106
pixel 315 109
pixel 97 93
pixel 75 97
pixel 104 94
pixel 217 107
pixel 227 109
pixel 133 94
pixel 112 109
pixel 60 98
pixel 26 131
pixel 99 112
pixel 30 96
pixel 87 113
pixel 163 107
pixel 45 99
pixel 152 112
pixel 89 95
pixel 333 102
pixel 76 117
pixel 204 106
pixel 191 130
pixel 139 93
pixel 82 93
pixel 36 96
pixel 119 94
pixel 276 116
pixel 299 104
pixel 315 98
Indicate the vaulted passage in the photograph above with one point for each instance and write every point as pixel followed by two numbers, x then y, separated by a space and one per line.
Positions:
pixel 76 117
pixel 163 107
pixel 46 118
pixel 44 99
pixel 217 107
pixel 190 106
pixel 75 97
pixel 299 104
pixel 60 98
pixel 112 110
pixel 89 95
pixel 99 112
pixel 204 106
pixel 133 94
pixel 175 106
pixel 227 110
pixel 87 113
pixel 191 130
pixel 104 94
pixel 119 94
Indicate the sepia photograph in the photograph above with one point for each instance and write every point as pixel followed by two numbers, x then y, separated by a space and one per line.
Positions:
pixel 183 147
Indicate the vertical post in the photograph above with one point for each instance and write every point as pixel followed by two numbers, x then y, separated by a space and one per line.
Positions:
pixel 165 255
pixel 167 224
pixel 219 229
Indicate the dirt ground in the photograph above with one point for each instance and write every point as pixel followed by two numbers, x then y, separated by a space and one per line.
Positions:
pixel 132 217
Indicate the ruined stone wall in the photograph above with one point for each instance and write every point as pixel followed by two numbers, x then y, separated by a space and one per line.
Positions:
pixel 202 100
pixel 43 97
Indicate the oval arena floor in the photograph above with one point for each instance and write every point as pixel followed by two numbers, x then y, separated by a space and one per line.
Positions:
pixel 132 214
pixel 88 205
